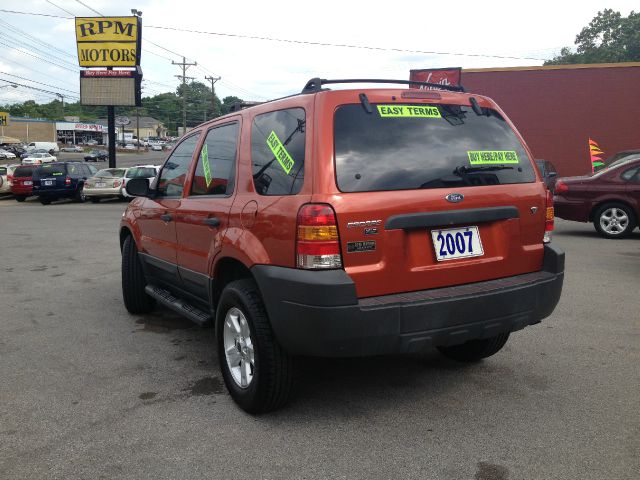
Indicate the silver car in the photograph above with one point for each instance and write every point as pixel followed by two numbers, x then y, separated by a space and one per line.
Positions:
pixel 104 184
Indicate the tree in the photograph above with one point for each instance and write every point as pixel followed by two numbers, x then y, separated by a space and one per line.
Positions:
pixel 227 102
pixel 609 38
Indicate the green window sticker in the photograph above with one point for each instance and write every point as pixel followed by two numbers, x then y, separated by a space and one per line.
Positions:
pixel 204 156
pixel 410 111
pixel 281 154
pixel 492 157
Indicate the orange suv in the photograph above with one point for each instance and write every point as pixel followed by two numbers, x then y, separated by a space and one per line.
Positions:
pixel 345 223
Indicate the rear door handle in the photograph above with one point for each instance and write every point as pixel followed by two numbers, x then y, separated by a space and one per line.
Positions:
pixel 212 221
pixel 165 217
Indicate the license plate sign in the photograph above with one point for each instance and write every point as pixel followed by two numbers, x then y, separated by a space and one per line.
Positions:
pixel 47 182
pixel 101 185
pixel 28 182
pixel 455 243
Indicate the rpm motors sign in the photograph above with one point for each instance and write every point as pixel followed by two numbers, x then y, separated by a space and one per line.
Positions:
pixel 108 41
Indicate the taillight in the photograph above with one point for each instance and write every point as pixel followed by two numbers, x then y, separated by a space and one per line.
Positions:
pixel 561 187
pixel 117 183
pixel 67 181
pixel 318 243
pixel 549 216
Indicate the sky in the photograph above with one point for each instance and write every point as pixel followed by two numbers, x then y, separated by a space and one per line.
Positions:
pixel 466 34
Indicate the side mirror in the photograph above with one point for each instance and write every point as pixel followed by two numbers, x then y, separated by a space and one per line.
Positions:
pixel 138 187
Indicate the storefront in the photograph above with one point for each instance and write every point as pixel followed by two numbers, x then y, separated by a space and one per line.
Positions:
pixel 71 133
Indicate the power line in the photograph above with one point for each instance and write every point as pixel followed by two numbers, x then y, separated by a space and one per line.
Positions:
pixel 22 45
pixel 39 83
pixel 306 42
pixel 37 57
pixel 92 9
pixel 58 6
pixel 338 45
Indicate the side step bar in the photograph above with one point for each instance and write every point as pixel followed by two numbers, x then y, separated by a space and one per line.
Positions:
pixel 168 300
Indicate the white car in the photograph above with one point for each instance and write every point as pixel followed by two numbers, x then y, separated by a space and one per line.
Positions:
pixel 39 158
pixel 73 148
pixel 139 171
pixel 5 186
pixel 6 154
pixel 156 147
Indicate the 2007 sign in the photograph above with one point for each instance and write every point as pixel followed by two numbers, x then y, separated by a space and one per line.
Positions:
pixel 457 243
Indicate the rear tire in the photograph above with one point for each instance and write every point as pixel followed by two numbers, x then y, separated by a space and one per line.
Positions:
pixel 614 220
pixel 21 198
pixel 133 281
pixel 475 350
pixel 95 199
pixel 79 196
pixel 45 201
pixel 245 339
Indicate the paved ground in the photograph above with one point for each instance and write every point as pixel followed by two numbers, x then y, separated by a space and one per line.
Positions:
pixel 89 391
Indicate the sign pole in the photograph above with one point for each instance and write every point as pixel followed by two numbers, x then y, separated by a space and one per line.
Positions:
pixel 111 127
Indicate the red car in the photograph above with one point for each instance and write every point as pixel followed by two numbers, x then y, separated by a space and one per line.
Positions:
pixel 610 198
pixel 22 185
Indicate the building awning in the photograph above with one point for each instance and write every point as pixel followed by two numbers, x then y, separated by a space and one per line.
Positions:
pixel 4 139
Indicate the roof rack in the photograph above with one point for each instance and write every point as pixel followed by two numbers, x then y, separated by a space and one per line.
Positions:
pixel 315 84
pixel 236 107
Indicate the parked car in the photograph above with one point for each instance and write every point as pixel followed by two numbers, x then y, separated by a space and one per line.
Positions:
pixel 53 181
pixel 22 182
pixel 95 155
pixel 91 142
pixel 50 147
pixel 139 171
pixel 352 223
pixel 548 172
pixel 610 198
pixel 38 158
pixel 5 186
pixel 6 153
pixel 72 148
pixel 156 147
pixel 129 146
pixel 105 184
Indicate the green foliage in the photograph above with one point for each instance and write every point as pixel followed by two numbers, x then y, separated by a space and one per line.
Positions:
pixel 166 107
pixel 609 38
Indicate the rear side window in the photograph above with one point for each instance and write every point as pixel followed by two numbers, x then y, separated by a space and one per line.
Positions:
pixel 403 147
pixel 216 163
pixel 277 151
pixel 3 171
pixel 49 170
pixel 631 175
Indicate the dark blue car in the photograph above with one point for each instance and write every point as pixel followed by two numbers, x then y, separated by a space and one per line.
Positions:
pixel 53 181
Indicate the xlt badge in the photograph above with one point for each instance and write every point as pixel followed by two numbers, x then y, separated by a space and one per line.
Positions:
pixel 365 223
pixel 455 197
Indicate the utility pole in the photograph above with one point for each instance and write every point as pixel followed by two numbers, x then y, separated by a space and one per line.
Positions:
pixel 184 77
pixel 213 81
pixel 62 99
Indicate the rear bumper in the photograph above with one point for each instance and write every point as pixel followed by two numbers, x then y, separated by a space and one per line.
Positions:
pixel 21 190
pixel 577 210
pixel 318 313
pixel 54 192
pixel 102 192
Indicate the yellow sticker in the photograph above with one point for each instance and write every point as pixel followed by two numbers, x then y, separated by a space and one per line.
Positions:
pixel 492 157
pixel 281 154
pixel 415 111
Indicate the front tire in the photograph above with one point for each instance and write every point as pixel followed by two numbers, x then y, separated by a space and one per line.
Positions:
pixel 135 298
pixel 21 198
pixel 614 220
pixel 475 350
pixel 258 373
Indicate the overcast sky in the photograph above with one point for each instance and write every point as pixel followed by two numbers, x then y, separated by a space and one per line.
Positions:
pixel 260 69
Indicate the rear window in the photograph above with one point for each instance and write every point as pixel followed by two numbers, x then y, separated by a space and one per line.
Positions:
pixel 141 172
pixel 49 170
pixel 111 173
pixel 23 172
pixel 405 147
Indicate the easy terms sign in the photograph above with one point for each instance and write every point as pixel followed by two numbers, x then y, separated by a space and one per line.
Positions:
pixel 108 41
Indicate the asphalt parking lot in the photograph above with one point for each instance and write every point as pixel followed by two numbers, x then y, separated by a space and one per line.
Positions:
pixel 89 391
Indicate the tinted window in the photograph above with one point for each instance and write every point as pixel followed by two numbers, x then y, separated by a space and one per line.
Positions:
pixel 49 170
pixel 174 171
pixel 277 152
pixel 3 171
pixel 23 172
pixel 216 163
pixel 401 147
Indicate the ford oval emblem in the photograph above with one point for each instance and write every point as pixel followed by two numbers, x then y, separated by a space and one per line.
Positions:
pixel 455 197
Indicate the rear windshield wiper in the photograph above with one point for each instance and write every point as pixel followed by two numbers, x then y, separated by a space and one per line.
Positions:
pixel 461 170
